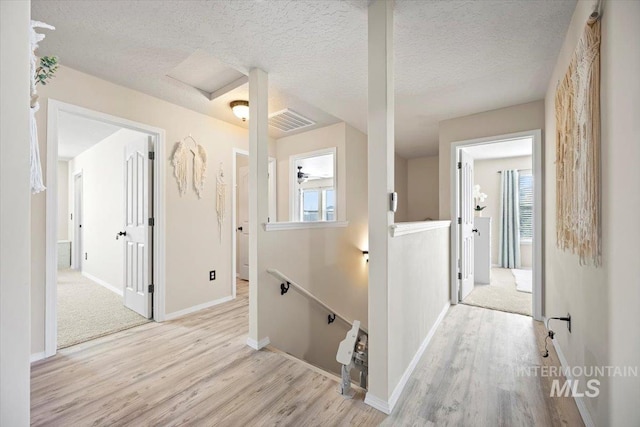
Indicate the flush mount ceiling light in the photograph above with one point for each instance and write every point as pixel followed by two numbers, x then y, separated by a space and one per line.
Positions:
pixel 240 109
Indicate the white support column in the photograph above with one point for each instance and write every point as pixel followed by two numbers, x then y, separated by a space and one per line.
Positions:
pixel 381 185
pixel 258 192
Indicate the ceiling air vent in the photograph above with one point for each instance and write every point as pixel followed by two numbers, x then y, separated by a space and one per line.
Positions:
pixel 288 120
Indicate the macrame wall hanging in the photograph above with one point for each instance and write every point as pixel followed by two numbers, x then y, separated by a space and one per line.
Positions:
pixel 221 196
pixel 577 106
pixel 37 184
pixel 189 150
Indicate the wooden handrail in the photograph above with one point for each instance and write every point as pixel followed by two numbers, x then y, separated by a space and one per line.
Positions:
pixel 312 297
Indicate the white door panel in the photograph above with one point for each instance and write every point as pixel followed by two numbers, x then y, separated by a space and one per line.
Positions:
pixel 466 226
pixel 243 223
pixel 137 241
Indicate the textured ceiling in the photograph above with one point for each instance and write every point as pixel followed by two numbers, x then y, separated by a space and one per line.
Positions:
pixel 453 58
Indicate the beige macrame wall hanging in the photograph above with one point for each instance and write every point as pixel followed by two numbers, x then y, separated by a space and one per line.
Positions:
pixel 221 196
pixel 186 150
pixel 577 107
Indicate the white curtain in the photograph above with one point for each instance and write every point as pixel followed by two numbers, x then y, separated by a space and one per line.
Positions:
pixel 509 248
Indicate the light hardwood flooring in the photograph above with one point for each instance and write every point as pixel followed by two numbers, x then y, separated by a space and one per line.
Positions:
pixel 468 376
pixel 198 371
pixel 195 371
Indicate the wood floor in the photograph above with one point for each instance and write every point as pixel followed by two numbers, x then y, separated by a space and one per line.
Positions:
pixel 198 371
pixel 468 376
pixel 195 371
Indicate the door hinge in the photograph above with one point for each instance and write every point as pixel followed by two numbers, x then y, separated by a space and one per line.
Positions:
pixel 152 222
pixel 151 288
pixel 459 165
pixel 459 220
pixel 459 276
pixel 152 155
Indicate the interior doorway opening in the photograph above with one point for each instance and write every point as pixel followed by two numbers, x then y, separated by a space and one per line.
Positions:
pixel 103 209
pixel 496 240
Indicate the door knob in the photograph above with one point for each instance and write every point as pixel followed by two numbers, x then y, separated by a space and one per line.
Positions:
pixel 121 233
pixel 240 228
pixel 475 230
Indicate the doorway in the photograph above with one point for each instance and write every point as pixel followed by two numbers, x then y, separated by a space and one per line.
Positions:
pixel 497 235
pixel 240 214
pixel 103 202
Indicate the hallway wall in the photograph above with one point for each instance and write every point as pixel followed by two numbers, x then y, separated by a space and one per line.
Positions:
pixel 423 187
pixel 193 245
pixel 63 200
pixel 603 301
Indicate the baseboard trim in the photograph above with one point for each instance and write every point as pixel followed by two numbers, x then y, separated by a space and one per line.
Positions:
pixel 377 403
pixel 580 403
pixel 258 345
pixel 37 356
pixel 102 283
pixel 397 392
pixel 181 313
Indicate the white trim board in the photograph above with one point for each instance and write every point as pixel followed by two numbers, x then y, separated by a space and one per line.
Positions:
pixel 387 407
pixel 402 228
pixel 279 226
pixel 258 345
pixel 37 356
pixel 102 283
pixel 538 220
pixel 582 407
pixel 51 278
pixel 190 310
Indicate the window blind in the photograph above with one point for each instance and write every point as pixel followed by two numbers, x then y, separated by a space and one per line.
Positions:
pixel 525 187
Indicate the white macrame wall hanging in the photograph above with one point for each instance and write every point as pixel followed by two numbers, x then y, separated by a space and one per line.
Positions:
pixel 186 148
pixel 37 184
pixel 221 196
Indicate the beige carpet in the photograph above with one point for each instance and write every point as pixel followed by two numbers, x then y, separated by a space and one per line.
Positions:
pixel 87 310
pixel 501 294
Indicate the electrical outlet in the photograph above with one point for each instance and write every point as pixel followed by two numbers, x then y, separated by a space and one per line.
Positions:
pixel 212 275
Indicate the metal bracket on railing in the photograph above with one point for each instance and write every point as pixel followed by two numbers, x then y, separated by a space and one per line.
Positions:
pixel 284 288
pixel 331 318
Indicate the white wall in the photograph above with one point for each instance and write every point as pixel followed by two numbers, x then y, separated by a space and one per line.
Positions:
pixel 192 238
pixel 328 262
pixel 418 293
pixel 517 118
pixel 401 171
pixel 485 174
pixel 15 196
pixel 313 140
pixel 423 186
pixel 102 168
pixel 63 200
pixel 604 301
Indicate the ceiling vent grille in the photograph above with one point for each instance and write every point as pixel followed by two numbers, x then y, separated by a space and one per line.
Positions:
pixel 288 120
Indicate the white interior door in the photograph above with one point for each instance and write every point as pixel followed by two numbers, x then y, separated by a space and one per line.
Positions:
pixel 466 226
pixel 77 222
pixel 243 222
pixel 137 240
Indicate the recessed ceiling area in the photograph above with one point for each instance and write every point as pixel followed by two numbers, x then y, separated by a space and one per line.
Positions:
pixel 77 134
pixel 502 149
pixel 452 58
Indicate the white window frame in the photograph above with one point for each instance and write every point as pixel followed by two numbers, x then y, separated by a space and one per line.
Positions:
pixel 295 205
pixel 322 202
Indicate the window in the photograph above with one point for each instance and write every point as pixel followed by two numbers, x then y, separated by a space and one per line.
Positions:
pixel 313 184
pixel 525 193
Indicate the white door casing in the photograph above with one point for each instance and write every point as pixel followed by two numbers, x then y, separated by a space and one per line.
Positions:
pixel 243 223
pixel 466 262
pixel 77 222
pixel 137 241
